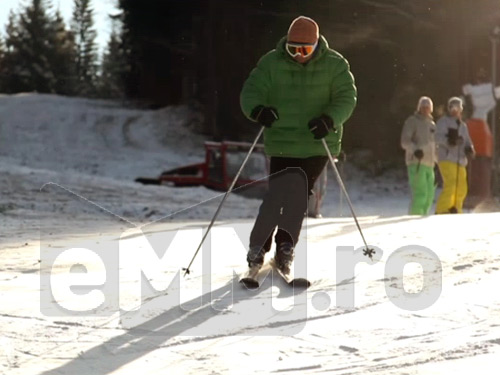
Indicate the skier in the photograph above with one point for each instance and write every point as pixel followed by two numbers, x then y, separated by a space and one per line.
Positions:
pixel 455 146
pixel 299 88
pixel 417 139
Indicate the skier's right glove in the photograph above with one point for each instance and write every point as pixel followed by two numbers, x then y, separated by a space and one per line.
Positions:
pixel 264 115
pixel 419 154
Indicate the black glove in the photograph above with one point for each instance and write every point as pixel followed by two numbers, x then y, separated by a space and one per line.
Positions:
pixel 419 154
pixel 469 151
pixel 321 126
pixel 264 115
pixel 452 136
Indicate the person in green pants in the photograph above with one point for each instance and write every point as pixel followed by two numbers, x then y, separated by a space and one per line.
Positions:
pixel 418 140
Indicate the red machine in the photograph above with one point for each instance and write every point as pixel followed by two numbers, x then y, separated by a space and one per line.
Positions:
pixel 222 162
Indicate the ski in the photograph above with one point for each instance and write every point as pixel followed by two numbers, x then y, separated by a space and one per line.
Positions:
pixel 296 282
pixel 251 278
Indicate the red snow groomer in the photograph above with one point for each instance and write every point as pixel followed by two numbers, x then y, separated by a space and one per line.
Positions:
pixel 222 162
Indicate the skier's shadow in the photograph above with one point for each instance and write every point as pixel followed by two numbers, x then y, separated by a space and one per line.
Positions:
pixel 146 337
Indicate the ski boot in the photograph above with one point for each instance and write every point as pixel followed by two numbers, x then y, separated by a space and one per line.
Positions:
pixel 255 258
pixel 284 257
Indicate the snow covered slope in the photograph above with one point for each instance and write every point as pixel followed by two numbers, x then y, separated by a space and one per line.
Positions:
pixel 96 137
pixel 91 151
pixel 220 328
pixel 66 182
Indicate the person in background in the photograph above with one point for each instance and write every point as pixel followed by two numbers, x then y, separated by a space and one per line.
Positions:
pixel 318 195
pixel 418 140
pixel 302 92
pixel 455 147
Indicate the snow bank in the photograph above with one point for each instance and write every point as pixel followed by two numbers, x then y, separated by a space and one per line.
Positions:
pixel 96 137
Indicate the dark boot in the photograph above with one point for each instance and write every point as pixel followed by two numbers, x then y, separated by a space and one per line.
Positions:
pixel 284 257
pixel 255 257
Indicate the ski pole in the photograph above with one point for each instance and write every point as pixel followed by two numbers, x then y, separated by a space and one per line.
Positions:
pixel 454 209
pixel 187 271
pixel 341 200
pixel 341 203
pixel 367 251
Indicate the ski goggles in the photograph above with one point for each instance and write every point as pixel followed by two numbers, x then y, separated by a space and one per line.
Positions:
pixel 300 49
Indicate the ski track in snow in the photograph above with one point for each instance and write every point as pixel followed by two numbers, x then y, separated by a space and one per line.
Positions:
pixel 96 149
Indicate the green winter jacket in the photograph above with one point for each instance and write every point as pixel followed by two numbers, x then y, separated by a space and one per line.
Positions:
pixel 300 93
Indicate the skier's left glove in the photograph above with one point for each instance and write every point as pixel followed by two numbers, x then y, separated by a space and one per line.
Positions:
pixel 419 154
pixel 469 152
pixel 321 126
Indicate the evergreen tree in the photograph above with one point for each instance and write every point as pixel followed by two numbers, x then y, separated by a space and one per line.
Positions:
pixel 39 52
pixel 28 54
pixel 33 52
pixel 114 68
pixel 7 68
pixel 63 56
pixel 2 56
pixel 82 26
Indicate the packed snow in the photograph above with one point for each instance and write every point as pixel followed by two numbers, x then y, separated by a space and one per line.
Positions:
pixel 67 170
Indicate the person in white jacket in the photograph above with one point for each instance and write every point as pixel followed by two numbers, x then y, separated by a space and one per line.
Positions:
pixel 417 139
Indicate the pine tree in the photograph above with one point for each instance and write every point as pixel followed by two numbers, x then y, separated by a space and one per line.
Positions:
pixel 82 26
pixel 2 65
pixel 28 60
pixel 8 67
pixel 63 56
pixel 114 66
pixel 35 70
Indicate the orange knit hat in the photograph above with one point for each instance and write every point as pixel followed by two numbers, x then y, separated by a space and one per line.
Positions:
pixel 303 30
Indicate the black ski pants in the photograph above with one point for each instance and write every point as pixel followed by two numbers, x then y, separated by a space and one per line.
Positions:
pixel 290 184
